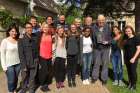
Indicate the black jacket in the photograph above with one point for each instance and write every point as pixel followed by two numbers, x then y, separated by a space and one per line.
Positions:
pixel 28 51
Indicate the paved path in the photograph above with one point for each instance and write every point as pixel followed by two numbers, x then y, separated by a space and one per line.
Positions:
pixel 92 88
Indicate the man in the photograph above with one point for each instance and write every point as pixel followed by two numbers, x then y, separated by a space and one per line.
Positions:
pixel 29 57
pixel 101 41
pixel 33 21
pixel 61 22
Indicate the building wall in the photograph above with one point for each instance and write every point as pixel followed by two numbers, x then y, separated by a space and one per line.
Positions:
pixel 18 8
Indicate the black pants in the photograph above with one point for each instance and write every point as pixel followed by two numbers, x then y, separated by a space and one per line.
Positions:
pixel 71 67
pixel 45 72
pixel 59 69
pixel 132 72
pixel 28 80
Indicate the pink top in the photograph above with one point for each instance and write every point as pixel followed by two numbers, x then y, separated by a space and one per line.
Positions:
pixel 46 47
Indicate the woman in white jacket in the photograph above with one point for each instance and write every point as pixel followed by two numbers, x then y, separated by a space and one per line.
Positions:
pixel 10 59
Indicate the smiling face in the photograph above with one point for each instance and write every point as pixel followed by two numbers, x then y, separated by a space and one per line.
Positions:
pixel 129 32
pixel 73 28
pixel 13 33
pixel 33 21
pixel 60 32
pixel 116 31
pixel 49 20
pixel 62 19
pixel 101 21
pixel 45 28
pixel 28 29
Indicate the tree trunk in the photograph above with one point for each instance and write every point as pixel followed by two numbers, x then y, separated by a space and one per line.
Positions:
pixel 137 16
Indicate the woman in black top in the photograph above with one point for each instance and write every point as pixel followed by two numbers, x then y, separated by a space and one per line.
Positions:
pixel 131 53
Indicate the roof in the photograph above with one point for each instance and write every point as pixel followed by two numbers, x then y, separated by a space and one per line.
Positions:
pixel 45 4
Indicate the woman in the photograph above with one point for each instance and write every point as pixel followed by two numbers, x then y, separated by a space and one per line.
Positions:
pixel 45 69
pixel 10 58
pixel 60 57
pixel 131 53
pixel 72 46
pixel 86 48
pixel 117 57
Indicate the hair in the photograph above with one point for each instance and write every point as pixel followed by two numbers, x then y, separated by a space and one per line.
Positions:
pixel 70 32
pixel 117 28
pixel 87 27
pixel 77 20
pixel 13 27
pixel 27 24
pixel 49 16
pixel 33 17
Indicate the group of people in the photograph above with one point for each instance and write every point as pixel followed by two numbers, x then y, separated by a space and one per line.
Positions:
pixel 57 49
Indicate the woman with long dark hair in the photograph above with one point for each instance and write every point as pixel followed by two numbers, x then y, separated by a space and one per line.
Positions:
pixel 117 56
pixel 10 58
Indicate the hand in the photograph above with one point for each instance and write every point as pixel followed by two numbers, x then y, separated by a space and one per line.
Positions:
pixel 105 42
pixel 132 60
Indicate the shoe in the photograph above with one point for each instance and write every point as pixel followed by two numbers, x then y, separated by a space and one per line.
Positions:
pixel 93 81
pixel 73 84
pixel 87 81
pixel 62 85
pixel 129 86
pixel 45 88
pixel 69 84
pixel 133 87
pixel 121 83
pixel 58 85
pixel 115 82
pixel 104 83
pixel 84 82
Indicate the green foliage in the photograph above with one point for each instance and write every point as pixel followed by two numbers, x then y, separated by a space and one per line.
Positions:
pixel 117 89
pixel 6 18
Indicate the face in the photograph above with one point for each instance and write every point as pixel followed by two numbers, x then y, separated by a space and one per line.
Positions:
pixel 62 19
pixel 60 32
pixel 88 21
pixel 128 32
pixel 28 28
pixel 33 21
pixel 13 33
pixel 77 24
pixel 45 28
pixel 87 32
pixel 49 20
pixel 73 28
pixel 116 30
pixel 101 22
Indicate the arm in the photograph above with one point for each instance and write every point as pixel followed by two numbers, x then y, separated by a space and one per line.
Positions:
pixel 137 43
pixel 3 55
pixel 22 55
pixel 132 60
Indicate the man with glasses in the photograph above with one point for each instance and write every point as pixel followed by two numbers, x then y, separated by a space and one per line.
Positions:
pixel 101 41
pixel 28 54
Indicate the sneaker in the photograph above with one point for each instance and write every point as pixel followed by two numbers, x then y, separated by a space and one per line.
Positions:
pixel 84 82
pixel 115 82
pixel 104 83
pixel 87 81
pixel 44 88
pixel 62 85
pixel 121 83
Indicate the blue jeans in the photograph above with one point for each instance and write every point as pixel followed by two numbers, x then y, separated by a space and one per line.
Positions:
pixel 87 60
pixel 117 65
pixel 12 77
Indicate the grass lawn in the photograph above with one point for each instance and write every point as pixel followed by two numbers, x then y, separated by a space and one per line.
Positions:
pixel 117 89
